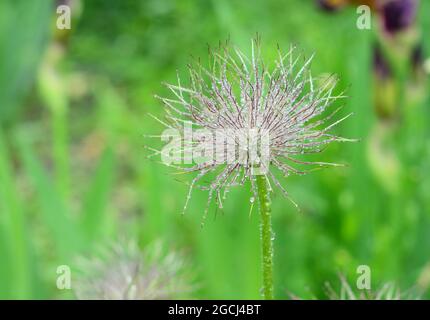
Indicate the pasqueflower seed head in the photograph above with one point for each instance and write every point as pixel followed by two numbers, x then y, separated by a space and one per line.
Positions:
pixel 388 291
pixel 237 118
pixel 123 272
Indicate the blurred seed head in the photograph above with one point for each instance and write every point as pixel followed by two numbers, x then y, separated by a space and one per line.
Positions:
pixel 240 93
pixel 346 291
pixel 388 291
pixel 123 272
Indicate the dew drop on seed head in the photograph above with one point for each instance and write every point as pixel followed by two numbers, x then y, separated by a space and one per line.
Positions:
pixel 252 199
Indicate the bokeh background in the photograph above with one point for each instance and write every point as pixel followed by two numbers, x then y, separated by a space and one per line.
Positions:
pixel 74 174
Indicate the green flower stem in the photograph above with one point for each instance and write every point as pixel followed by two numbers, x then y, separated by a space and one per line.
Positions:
pixel 266 237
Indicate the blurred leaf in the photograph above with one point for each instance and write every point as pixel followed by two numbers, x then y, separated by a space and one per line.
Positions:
pixel 15 227
pixel 66 236
pixel 28 22
pixel 97 196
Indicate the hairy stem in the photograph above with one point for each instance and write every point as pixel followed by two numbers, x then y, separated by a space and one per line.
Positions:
pixel 266 237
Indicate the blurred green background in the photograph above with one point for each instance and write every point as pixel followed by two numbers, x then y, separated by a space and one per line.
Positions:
pixel 74 109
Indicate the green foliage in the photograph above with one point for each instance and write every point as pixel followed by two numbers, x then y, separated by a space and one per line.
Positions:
pixel 74 173
pixel 24 33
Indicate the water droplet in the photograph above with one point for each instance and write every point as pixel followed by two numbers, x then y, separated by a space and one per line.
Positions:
pixel 252 199
pixel 262 291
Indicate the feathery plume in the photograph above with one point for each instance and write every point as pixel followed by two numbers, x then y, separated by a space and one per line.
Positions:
pixel 246 120
pixel 388 291
pixel 123 272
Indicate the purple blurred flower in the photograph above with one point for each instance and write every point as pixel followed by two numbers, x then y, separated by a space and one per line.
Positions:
pixel 380 64
pixel 398 15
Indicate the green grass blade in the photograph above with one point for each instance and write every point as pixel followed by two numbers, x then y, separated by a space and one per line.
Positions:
pixel 66 235
pixel 15 230
pixel 97 197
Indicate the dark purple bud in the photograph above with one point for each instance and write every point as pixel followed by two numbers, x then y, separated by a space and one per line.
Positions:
pixel 398 15
pixel 417 57
pixel 380 65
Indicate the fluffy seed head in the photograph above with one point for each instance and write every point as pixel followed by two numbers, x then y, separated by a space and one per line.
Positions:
pixel 247 119
pixel 388 291
pixel 123 272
